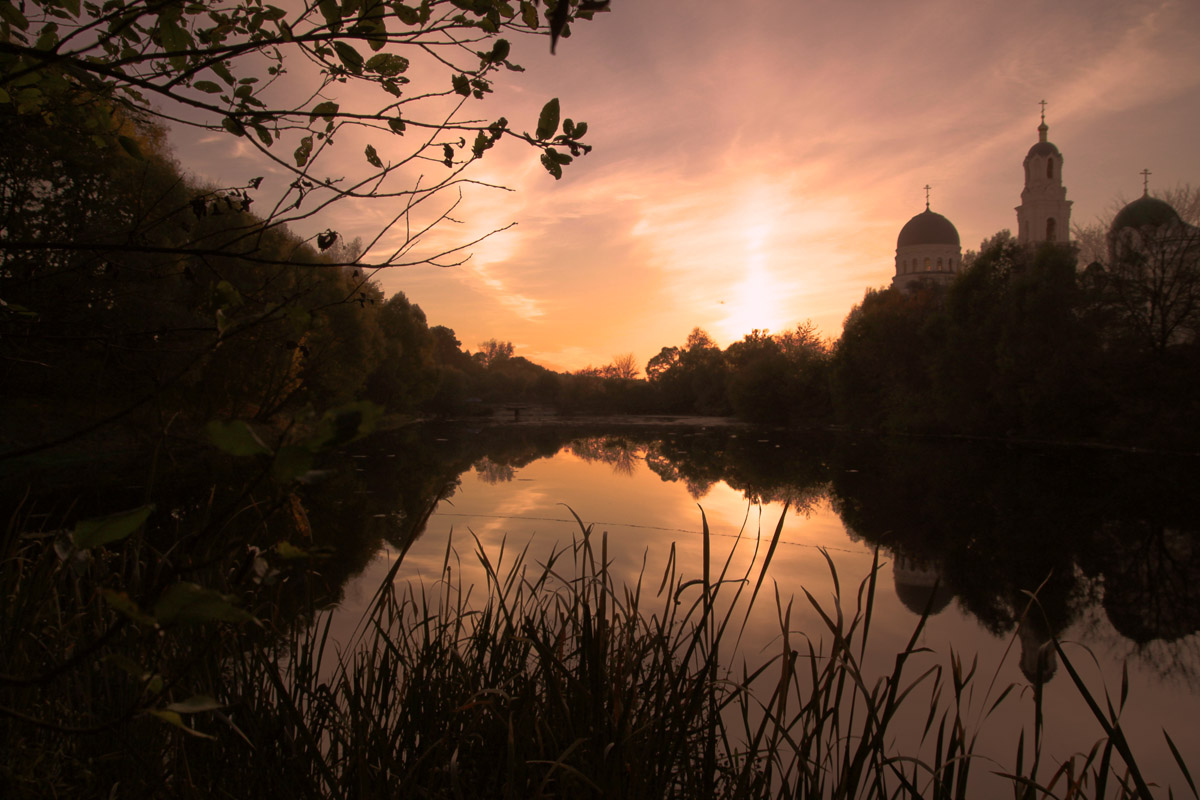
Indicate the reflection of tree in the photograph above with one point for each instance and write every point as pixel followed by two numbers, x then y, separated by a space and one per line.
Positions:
pixel 1151 580
pixel 492 473
pixel 618 452
pixel 1001 524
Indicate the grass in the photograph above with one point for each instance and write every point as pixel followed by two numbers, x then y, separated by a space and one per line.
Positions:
pixel 548 680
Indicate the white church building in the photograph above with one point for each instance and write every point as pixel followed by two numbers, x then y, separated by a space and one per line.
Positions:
pixel 929 250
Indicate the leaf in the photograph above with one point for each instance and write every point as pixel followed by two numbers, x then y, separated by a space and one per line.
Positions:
pixel 529 14
pixel 326 238
pixel 548 120
pixel 10 14
pixel 462 85
pixel 345 424
pixel 195 705
pixel 101 530
pixel 552 166
pixel 208 87
pixel 396 124
pixel 447 155
pixel 190 602
pixel 303 151
pixel 123 604
pixel 327 110
pixel 388 65
pixel 406 14
pixel 222 70
pixel 350 57
pixel 173 718
pixel 373 157
pixel 130 146
pixel 291 462
pixel 332 13
pixel 233 126
pixel 500 51
pixel 235 437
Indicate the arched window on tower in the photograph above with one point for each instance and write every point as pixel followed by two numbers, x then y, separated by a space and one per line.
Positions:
pixel 1050 168
pixel 928 265
pixel 1051 230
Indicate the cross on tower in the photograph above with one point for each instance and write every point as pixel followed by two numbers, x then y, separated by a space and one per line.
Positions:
pixel 927 187
pixel 1042 103
pixel 1146 181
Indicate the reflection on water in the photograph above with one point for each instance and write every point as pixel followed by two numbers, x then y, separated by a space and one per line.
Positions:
pixel 1005 550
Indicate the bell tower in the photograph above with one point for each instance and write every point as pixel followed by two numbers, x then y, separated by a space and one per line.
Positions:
pixel 1045 212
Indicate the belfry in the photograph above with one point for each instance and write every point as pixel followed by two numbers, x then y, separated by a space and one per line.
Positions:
pixel 1045 212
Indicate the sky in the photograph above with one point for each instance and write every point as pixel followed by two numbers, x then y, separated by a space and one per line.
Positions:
pixel 754 162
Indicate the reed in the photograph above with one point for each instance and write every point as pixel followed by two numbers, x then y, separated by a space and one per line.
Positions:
pixel 550 679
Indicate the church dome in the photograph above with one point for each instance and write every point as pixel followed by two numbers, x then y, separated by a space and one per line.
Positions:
pixel 928 227
pixel 1144 212
pixel 1042 149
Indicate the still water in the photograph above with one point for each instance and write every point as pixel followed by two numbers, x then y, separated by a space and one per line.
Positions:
pixel 967 532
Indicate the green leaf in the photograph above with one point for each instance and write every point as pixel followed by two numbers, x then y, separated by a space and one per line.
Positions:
pixel 350 57
pixel 123 604
pixel 396 124
pixel 173 718
pixel 195 704
pixel 332 13
pixel 131 147
pixel 222 70
pixel 406 14
pixel 235 437
pixel 233 126
pixel 548 120
pixel 327 110
pixel 500 51
pixel 373 157
pixel 462 85
pixel 482 143
pixel 303 151
pixel 529 14
pixel 552 166
pixel 101 530
pixel 346 423
pixel 388 65
pixel 291 462
pixel 10 14
pixel 207 87
pixel 190 602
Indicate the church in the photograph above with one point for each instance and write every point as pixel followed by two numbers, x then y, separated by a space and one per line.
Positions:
pixel 928 248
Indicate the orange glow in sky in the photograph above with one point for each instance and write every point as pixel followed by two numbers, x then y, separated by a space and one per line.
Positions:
pixel 754 162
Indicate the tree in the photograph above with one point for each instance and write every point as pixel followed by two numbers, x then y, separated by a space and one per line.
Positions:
pixel 275 77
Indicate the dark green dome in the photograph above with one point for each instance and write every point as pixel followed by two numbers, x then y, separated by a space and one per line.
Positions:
pixel 1145 212
pixel 1042 149
pixel 928 228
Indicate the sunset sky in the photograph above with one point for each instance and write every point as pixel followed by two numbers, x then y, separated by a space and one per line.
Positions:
pixel 755 161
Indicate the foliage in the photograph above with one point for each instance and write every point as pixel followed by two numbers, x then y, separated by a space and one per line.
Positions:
pixel 551 681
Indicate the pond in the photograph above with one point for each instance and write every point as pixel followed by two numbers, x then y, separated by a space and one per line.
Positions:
pixel 964 532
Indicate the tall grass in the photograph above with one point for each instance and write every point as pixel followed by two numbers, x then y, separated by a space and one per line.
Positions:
pixel 553 679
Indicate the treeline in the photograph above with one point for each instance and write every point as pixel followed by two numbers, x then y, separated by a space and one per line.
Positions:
pixel 1024 344
pixel 137 297
pixel 135 294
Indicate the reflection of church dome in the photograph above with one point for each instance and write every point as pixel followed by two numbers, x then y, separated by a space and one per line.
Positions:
pixel 919 585
pixel 1144 212
pixel 928 227
pixel 1039 659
